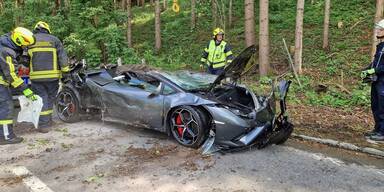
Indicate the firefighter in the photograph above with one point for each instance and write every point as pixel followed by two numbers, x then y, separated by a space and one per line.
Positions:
pixel 48 62
pixel 11 46
pixel 217 54
pixel 375 74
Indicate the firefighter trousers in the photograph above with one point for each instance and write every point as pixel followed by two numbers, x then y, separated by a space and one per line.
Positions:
pixel 6 113
pixel 47 90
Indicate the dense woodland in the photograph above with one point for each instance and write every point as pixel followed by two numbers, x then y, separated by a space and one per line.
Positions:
pixel 329 41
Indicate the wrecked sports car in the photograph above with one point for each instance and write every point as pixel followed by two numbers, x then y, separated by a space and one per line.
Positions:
pixel 197 109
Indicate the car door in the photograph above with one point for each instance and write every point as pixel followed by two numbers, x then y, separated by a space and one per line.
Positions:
pixel 134 104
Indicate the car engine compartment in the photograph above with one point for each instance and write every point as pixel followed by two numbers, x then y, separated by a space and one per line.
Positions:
pixel 235 96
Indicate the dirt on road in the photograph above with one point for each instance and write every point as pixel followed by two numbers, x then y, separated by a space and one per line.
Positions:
pixel 332 123
pixel 98 156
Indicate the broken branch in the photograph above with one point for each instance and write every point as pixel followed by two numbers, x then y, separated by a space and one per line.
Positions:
pixel 291 63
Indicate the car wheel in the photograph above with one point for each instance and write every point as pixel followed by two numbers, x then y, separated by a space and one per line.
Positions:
pixel 67 106
pixel 187 126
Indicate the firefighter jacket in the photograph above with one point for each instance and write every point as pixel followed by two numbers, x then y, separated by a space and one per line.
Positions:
pixel 48 59
pixel 217 55
pixel 8 54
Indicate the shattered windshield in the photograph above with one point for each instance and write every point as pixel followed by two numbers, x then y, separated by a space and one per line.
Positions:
pixel 190 80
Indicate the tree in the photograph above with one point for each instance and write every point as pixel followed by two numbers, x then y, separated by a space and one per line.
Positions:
pixel 157 26
pixel 19 4
pixel 129 23
pixel 214 13
pixel 327 7
pixel 143 3
pixel 115 4
pixel 56 8
pixel 123 4
pixel 249 12
pixel 193 14
pixel 1 5
pixel 230 14
pixel 299 36
pixel 222 15
pixel 264 38
pixel 165 4
pixel 67 4
pixel 378 16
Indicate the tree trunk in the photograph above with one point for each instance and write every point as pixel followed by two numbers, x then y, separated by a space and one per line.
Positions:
pixel 123 4
pixel 193 14
pixel 378 17
pixel 214 13
pixel 67 4
pixel 264 38
pixel 115 4
pixel 1 6
pixel 230 14
pixel 129 23
pixel 143 3
pixel 19 5
pixel 249 12
pixel 222 15
pixel 138 2
pixel 299 37
pixel 56 8
pixel 327 8
pixel 151 2
pixel 165 4
pixel 157 26
pixel 104 53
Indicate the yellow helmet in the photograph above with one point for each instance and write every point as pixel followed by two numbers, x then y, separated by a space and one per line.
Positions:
pixel 42 25
pixel 22 36
pixel 218 31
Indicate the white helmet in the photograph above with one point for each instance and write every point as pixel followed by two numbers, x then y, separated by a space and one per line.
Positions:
pixel 380 24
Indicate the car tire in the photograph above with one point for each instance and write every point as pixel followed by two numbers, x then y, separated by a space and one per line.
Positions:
pixel 67 106
pixel 188 126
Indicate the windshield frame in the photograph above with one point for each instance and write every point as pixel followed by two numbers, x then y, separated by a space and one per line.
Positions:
pixel 189 80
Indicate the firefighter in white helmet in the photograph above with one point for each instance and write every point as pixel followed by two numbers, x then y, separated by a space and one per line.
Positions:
pixel 375 75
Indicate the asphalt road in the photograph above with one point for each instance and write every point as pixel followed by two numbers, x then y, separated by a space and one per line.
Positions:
pixel 97 156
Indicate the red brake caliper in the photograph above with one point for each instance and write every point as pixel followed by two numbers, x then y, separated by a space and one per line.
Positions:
pixel 71 107
pixel 179 122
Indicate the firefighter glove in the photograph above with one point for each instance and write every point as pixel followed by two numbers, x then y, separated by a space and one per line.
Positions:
pixel 29 94
pixel 367 72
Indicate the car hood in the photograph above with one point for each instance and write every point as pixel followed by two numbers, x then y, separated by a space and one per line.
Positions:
pixel 236 68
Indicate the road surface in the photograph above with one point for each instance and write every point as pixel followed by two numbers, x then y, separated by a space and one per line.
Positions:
pixel 97 156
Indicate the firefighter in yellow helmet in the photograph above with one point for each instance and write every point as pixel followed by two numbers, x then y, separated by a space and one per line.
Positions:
pixel 217 54
pixel 48 62
pixel 11 46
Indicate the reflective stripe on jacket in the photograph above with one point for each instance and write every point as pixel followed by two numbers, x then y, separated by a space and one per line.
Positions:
pixel 48 58
pixel 8 53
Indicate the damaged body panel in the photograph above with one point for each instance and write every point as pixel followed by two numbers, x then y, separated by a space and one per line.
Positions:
pixel 197 109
